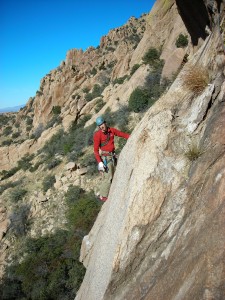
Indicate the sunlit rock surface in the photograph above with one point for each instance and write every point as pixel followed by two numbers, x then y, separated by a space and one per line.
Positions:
pixel 161 233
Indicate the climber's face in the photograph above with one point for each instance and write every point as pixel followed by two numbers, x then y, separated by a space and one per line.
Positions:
pixel 103 127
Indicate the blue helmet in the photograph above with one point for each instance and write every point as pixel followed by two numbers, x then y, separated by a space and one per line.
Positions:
pixel 100 121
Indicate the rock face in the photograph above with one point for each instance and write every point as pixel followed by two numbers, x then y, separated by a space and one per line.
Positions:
pixel 4 226
pixel 161 233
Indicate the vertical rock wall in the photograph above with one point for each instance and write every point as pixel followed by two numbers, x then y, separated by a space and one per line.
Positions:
pixel 161 233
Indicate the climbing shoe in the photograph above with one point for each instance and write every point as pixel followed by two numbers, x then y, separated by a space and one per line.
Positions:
pixel 103 198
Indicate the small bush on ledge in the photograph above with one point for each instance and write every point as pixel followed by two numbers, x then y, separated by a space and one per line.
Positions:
pixel 196 78
pixel 182 41
pixel 152 58
pixel 56 110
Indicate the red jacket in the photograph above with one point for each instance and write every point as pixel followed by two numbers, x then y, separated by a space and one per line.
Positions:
pixel 101 138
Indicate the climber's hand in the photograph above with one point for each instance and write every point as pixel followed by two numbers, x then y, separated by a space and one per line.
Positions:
pixel 101 167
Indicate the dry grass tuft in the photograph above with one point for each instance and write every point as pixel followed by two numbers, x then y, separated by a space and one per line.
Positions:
pixel 196 78
pixel 194 152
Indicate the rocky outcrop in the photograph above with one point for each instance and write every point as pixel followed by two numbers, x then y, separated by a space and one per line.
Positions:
pixel 61 86
pixel 4 222
pixel 10 155
pixel 160 235
pixel 4 226
pixel 67 85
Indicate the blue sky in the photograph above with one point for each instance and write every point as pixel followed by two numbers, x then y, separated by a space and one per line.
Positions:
pixel 35 36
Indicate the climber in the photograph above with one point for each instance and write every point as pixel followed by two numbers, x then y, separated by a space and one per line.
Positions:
pixel 104 151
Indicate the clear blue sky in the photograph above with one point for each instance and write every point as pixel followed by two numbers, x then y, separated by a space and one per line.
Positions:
pixel 35 36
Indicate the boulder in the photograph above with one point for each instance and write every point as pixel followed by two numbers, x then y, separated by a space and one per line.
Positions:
pixel 71 166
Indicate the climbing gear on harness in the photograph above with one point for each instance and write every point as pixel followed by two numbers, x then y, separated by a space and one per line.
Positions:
pixel 107 153
pixel 111 155
pixel 100 121
pixel 105 162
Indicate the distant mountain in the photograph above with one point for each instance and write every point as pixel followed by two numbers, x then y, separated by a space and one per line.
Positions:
pixel 11 109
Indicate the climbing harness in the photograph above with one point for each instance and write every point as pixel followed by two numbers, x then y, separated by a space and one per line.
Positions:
pixel 109 156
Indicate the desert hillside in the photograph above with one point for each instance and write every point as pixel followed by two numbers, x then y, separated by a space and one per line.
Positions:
pixel 160 78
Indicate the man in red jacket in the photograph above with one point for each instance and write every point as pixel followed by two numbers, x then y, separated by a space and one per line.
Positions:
pixel 104 151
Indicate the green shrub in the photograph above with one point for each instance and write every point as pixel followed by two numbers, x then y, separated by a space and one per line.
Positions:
pixel 96 92
pixel 19 220
pixel 83 213
pixel 73 194
pixel 15 135
pixel 153 85
pixel 110 48
pixel 7 142
pixel 99 104
pixel 7 130
pixel 111 64
pixel 36 166
pixel 151 56
pixel 67 148
pixel 6 174
pixel 134 38
pixel 50 268
pixel 4 119
pixel 81 122
pixel 138 100
pixel 56 110
pixel 88 160
pixel 119 118
pixel 39 93
pixel 93 71
pixel 120 80
pixel 55 120
pixel 38 131
pixel 88 97
pixel 24 163
pixel 80 138
pixel 53 163
pixel 17 194
pixel 28 128
pixel 9 185
pixel 134 69
pixel 54 145
pixel 182 41
pixel 72 142
pixel 86 90
pixel 48 183
pixel 29 120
